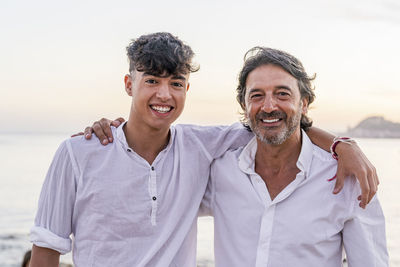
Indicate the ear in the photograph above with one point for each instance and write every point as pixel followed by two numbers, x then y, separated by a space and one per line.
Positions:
pixel 128 84
pixel 187 87
pixel 244 110
pixel 242 103
pixel 304 107
pixel 245 115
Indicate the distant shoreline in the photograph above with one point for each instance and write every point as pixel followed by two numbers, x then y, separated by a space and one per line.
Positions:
pixel 375 127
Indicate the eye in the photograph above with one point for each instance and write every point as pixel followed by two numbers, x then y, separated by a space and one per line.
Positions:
pixel 255 96
pixel 151 81
pixel 283 94
pixel 177 84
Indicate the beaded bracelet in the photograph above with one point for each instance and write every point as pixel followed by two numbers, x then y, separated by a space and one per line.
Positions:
pixel 336 141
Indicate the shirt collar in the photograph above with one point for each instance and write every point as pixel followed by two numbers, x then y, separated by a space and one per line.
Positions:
pixel 247 156
pixel 306 154
pixel 120 136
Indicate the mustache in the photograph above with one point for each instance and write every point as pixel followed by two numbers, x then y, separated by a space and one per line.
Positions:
pixel 272 115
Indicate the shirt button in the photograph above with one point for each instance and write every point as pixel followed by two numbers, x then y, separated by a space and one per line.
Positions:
pixel 154 198
pixel 152 168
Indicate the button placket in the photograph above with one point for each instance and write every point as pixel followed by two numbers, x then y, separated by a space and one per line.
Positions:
pixel 153 194
pixel 265 236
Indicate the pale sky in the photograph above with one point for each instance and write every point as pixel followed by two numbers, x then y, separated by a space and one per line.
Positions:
pixel 62 63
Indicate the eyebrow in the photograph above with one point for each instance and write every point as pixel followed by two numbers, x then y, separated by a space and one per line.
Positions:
pixel 179 77
pixel 252 90
pixel 149 74
pixel 174 77
pixel 284 87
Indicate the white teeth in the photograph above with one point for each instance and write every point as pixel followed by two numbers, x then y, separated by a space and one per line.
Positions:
pixel 270 121
pixel 161 109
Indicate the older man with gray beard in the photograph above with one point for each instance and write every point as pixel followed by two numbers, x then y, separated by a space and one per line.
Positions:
pixel 271 199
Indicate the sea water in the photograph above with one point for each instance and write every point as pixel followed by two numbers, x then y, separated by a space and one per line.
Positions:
pixel 24 159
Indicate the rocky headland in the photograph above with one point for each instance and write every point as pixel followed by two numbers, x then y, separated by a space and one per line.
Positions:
pixel 375 127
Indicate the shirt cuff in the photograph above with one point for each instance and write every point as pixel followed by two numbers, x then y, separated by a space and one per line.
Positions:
pixel 42 237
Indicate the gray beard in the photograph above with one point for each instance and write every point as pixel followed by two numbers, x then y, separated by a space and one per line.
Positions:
pixel 280 138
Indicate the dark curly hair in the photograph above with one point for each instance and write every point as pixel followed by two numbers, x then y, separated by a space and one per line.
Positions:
pixel 258 56
pixel 160 54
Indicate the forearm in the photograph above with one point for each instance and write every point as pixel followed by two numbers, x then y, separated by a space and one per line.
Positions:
pixel 321 138
pixel 44 257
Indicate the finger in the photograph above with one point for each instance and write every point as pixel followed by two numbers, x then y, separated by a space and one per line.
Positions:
pixel 340 176
pixel 373 187
pixel 98 131
pixel 104 121
pixel 77 134
pixel 376 178
pixel 365 189
pixel 105 125
pixel 117 122
pixel 88 132
pixel 338 185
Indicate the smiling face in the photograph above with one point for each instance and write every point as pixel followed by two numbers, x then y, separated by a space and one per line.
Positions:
pixel 156 101
pixel 273 104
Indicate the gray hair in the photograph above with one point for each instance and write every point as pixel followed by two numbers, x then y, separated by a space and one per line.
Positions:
pixel 258 56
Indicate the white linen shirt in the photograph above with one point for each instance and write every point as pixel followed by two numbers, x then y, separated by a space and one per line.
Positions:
pixel 305 225
pixel 121 211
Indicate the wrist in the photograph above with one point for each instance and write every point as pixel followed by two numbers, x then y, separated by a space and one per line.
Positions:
pixel 339 143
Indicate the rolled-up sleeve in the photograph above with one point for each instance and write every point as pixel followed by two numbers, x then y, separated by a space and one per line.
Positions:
pixel 364 236
pixel 53 222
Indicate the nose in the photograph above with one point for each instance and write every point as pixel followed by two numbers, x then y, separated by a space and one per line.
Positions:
pixel 163 92
pixel 269 104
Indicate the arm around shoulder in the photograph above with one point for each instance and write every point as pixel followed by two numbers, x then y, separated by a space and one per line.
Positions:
pixel 219 139
pixel 351 162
